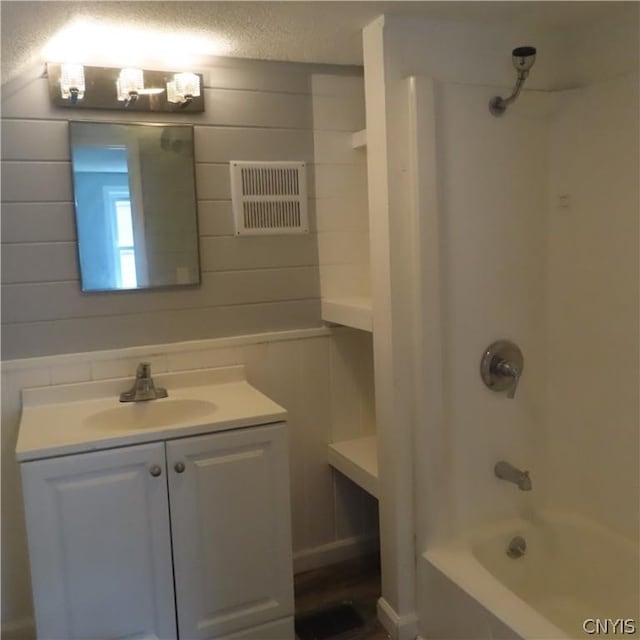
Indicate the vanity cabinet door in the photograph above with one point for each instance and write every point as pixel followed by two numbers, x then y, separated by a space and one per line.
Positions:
pixel 100 545
pixel 230 519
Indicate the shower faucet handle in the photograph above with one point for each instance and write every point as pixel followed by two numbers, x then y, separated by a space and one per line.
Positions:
pixel 501 367
pixel 507 369
pixel 511 394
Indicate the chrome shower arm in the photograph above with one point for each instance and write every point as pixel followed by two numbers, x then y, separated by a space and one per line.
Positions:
pixel 523 59
pixel 505 102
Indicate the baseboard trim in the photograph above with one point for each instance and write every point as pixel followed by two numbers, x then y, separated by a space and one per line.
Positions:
pixel 398 627
pixel 24 629
pixel 333 552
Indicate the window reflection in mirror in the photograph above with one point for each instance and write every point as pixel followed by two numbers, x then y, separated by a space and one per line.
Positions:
pixel 134 188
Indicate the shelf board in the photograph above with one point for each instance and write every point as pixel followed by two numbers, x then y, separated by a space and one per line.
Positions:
pixel 358 460
pixel 350 312
pixel 359 139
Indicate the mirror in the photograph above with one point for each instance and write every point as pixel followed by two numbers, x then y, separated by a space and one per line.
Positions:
pixel 135 202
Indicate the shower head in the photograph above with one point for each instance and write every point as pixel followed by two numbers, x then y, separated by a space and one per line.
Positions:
pixel 522 59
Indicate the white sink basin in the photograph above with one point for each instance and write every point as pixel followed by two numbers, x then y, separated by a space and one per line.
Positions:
pixel 151 414
pixel 87 416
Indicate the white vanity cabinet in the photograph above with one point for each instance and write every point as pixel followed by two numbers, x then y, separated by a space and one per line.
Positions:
pixel 230 523
pixel 100 544
pixel 185 538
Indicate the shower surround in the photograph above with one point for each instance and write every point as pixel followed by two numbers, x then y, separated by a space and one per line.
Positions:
pixel 522 227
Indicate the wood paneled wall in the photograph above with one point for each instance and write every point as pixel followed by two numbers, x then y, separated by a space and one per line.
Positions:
pixel 323 378
pixel 342 210
pixel 254 111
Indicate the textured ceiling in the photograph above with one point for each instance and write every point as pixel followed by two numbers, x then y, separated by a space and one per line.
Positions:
pixel 325 32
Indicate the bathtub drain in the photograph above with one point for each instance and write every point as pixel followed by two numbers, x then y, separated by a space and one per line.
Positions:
pixel 517 547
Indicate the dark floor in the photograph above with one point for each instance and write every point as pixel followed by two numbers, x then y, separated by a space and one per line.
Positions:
pixel 356 581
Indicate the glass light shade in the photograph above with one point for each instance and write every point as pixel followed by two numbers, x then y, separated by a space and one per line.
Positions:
pixel 72 85
pixel 183 87
pixel 130 81
pixel 187 84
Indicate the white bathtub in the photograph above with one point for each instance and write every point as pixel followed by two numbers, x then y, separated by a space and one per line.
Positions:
pixel 573 571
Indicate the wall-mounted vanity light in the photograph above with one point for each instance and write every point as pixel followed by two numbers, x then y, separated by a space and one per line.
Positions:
pixel 85 87
pixel 130 86
pixel 183 88
pixel 72 84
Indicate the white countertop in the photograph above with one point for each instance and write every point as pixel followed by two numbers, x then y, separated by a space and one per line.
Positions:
pixel 58 420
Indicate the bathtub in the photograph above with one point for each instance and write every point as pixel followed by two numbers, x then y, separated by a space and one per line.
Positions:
pixel 574 575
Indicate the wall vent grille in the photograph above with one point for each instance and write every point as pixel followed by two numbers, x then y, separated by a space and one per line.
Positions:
pixel 269 197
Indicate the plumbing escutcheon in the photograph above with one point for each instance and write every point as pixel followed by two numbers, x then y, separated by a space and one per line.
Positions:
pixel 501 366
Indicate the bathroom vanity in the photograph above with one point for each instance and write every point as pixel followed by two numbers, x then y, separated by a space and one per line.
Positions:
pixel 161 519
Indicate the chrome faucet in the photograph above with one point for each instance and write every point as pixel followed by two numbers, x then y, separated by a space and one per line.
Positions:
pixel 143 388
pixel 508 472
pixel 501 367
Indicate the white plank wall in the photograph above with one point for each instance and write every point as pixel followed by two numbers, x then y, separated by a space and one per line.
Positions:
pixel 254 111
pixel 340 187
pixel 324 379
pixel 249 287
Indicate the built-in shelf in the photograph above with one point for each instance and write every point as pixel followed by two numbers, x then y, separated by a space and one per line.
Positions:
pixel 358 460
pixel 350 312
pixel 359 139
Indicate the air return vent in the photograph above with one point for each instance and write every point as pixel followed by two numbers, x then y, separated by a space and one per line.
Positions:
pixel 269 197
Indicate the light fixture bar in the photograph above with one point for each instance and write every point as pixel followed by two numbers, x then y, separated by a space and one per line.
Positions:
pixel 87 87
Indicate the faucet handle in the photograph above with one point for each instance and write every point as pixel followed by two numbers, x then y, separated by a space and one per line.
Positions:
pixel 143 370
pixel 501 367
pixel 511 394
pixel 507 369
